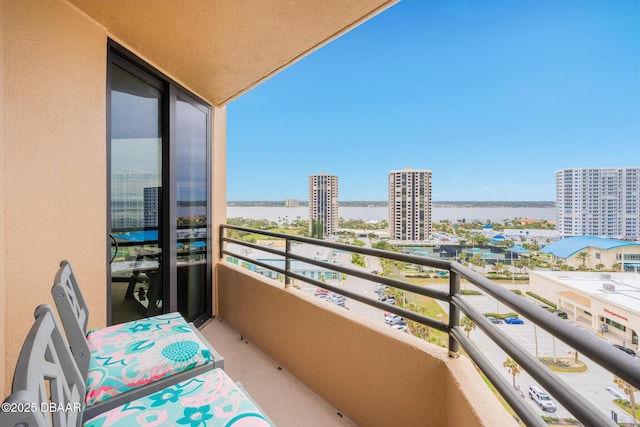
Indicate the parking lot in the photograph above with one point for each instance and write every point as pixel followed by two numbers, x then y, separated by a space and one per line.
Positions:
pixel 595 385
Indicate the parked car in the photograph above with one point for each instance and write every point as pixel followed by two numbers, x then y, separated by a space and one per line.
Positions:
pixel 388 315
pixel 321 291
pixel 513 320
pixel 541 398
pixel 494 320
pixel 615 393
pixel 561 314
pixel 625 349
pixel 402 328
pixel 380 288
pixel 397 321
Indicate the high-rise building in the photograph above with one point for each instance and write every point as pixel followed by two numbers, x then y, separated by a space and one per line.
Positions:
pixel 410 204
pixel 323 205
pixel 602 202
pixel 131 207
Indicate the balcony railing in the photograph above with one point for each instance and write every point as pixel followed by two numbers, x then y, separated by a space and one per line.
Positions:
pixel 610 358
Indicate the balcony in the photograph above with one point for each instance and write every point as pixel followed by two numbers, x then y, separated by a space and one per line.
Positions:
pixel 293 350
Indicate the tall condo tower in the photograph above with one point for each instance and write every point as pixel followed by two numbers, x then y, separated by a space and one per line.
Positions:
pixel 410 204
pixel 323 205
pixel 602 202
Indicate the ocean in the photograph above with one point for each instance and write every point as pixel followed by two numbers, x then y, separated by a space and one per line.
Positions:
pixel 469 214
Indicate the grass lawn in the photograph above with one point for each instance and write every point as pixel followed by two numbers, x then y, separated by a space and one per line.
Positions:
pixel 566 365
pixel 627 409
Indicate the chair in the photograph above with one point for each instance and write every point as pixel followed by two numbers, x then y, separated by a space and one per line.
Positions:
pixel 121 362
pixel 48 382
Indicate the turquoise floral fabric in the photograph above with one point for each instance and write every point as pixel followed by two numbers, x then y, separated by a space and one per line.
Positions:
pixel 130 355
pixel 211 399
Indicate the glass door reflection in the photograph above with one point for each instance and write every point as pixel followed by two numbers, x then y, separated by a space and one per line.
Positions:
pixel 192 210
pixel 135 194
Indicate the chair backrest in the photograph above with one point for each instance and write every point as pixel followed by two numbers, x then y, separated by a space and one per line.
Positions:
pixel 74 313
pixel 48 390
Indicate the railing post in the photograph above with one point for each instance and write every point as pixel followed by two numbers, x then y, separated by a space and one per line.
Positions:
pixel 454 313
pixel 221 246
pixel 287 263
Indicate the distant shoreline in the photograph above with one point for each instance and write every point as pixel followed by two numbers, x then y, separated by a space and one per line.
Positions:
pixel 366 203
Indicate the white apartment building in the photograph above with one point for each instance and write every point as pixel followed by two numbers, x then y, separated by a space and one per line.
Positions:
pixel 410 204
pixel 603 202
pixel 134 195
pixel 323 203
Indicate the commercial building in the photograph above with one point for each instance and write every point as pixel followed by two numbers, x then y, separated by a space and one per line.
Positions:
pixel 410 204
pixel 591 252
pixel 323 205
pixel 609 299
pixel 267 259
pixel 602 202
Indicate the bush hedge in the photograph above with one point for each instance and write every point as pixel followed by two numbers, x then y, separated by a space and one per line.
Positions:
pixel 541 299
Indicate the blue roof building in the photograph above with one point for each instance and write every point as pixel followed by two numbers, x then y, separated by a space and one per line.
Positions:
pixel 599 250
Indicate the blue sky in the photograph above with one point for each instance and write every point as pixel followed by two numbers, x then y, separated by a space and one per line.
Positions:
pixel 492 96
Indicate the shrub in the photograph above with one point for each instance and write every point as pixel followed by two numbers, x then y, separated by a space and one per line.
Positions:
pixel 501 315
pixel 541 299
pixel 470 292
pixel 516 291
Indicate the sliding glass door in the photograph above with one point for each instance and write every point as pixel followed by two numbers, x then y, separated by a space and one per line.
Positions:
pixel 192 209
pixel 158 195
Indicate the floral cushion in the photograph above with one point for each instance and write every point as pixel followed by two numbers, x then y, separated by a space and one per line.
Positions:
pixel 130 355
pixel 211 399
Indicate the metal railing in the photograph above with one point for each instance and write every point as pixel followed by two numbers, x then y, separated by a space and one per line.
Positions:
pixel 612 359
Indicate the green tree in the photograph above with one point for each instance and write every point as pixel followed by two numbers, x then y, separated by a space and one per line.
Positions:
pixel 513 368
pixel 582 256
pixel 467 324
pixel 481 240
pixel 317 229
pixel 630 391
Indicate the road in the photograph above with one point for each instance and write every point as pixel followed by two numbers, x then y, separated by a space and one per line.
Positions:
pixel 592 384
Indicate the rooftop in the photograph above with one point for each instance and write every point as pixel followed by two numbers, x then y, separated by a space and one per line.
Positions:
pixel 625 295
pixel 564 248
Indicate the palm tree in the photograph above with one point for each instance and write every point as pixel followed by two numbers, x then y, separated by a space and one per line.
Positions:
pixel 582 256
pixel 630 391
pixel 513 368
pixel 467 324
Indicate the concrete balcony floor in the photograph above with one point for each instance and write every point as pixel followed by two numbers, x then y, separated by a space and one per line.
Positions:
pixel 286 400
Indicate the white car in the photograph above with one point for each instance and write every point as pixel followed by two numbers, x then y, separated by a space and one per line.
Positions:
pixel 401 327
pixel 541 398
pixel 389 317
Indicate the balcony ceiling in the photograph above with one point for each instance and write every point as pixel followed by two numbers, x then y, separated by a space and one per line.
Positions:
pixel 222 48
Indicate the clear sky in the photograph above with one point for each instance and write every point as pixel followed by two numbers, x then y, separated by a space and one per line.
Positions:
pixel 491 96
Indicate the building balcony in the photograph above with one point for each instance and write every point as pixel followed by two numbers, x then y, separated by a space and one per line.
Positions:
pixel 311 363
pixel 293 350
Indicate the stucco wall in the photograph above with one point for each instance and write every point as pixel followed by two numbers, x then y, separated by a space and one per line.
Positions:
pixel 54 175
pixel 375 375
pixel 54 159
pixel 3 248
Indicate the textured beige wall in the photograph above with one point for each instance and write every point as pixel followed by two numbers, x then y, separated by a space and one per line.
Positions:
pixel 54 150
pixel 375 375
pixel 54 159
pixel 3 248
pixel 219 186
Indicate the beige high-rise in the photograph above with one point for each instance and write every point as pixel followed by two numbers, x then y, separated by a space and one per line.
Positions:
pixel 323 202
pixel 410 204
